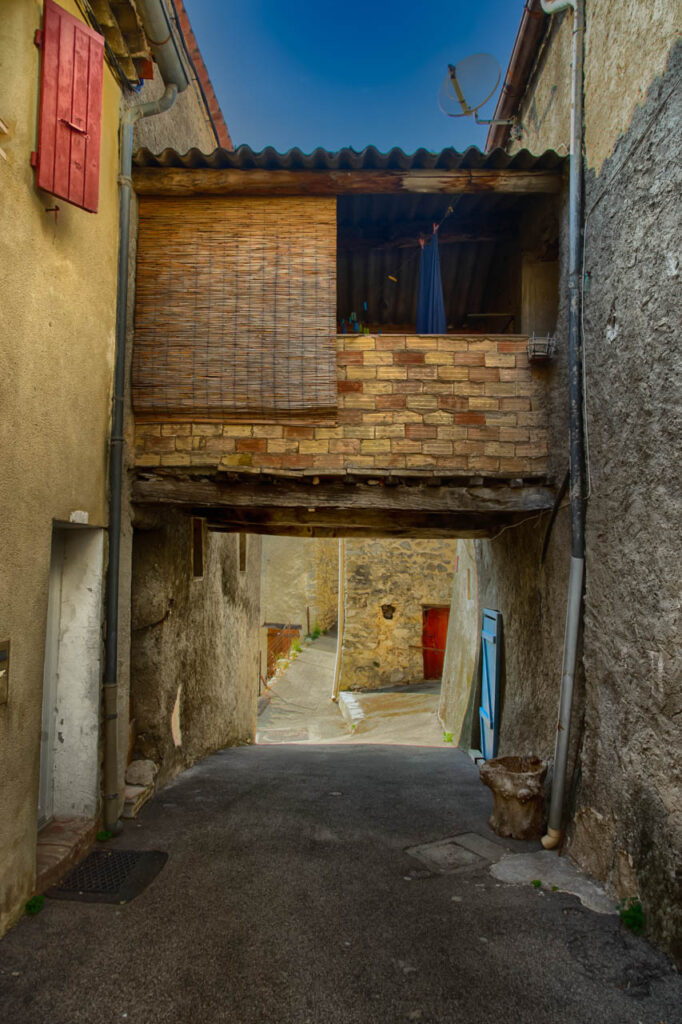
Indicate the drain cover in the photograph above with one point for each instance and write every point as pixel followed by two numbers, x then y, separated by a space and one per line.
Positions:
pixel 110 876
pixel 456 852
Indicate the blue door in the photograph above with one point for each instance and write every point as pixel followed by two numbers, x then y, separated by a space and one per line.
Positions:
pixel 491 656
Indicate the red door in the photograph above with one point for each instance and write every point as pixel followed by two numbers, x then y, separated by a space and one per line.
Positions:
pixel 434 636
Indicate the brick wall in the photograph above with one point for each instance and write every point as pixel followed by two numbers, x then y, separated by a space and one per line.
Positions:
pixel 445 404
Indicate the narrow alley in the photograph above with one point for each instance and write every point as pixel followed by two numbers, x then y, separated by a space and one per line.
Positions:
pixel 289 896
pixel 297 707
pixel 340 633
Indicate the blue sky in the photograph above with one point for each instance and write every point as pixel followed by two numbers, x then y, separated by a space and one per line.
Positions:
pixel 298 73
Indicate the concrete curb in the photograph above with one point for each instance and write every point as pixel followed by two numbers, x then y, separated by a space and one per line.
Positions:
pixel 351 710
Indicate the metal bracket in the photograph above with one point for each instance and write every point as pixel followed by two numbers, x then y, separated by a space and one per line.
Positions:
pixel 541 349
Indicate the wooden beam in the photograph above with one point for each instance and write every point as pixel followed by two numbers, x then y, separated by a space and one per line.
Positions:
pixel 445 523
pixel 337 495
pixel 174 181
pixel 424 532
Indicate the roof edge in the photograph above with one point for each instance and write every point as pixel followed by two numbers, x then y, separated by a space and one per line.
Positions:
pixel 244 158
pixel 530 32
pixel 210 99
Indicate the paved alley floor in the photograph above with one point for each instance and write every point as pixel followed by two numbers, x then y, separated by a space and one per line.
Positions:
pixel 288 898
pixel 299 708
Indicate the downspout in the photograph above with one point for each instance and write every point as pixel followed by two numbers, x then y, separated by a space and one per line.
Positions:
pixel 576 427
pixel 340 619
pixel 158 32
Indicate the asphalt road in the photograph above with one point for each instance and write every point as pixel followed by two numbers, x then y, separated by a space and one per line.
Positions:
pixel 288 898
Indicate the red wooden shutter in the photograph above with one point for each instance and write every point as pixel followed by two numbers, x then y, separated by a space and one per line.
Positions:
pixel 70 109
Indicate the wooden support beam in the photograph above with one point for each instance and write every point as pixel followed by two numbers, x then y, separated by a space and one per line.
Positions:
pixel 345 523
pixel 339 496
pixel 368 518
pixel 425 532
pixel 180 181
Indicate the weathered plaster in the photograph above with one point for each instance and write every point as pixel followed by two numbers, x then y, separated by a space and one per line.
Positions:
pixel 188 126
pixel 630 799
pixel 194 659
pixel 624 799
pixel 407 574
pixel 459 668
pixel 59 303
pixel 627 44
pixel 77 710
pixel 299 581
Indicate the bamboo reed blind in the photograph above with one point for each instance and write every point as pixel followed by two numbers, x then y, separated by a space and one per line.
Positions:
pixel 235 307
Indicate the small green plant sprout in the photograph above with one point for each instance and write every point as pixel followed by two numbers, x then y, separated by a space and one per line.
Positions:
pixel 536 883
pixel 316 631
pixel 376 664
pixel 353 726
pixel 631 913
pixel 555 888
pixel 296 647
pixel 447 737
pixel 35 905
pixel 103 835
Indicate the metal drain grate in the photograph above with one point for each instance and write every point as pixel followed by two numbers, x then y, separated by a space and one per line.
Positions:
pixel 102 871
pixel 110 876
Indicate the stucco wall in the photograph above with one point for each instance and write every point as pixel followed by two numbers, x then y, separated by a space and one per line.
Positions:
pixel 299 581
pixel 323 583
pixel 188 126
pixel 194 645
pixel 408 574
pixel 626 46
pixel 459 668
pixel 623 805
pixel 58 311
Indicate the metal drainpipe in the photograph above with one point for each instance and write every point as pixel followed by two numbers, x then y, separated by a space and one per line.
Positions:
pixel 159 33
pixel 576 430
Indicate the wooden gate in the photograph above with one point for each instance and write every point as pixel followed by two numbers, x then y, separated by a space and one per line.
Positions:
pixel 434 637
pixel 280 640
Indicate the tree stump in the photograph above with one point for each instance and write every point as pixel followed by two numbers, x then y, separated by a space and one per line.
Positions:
pixel 518 788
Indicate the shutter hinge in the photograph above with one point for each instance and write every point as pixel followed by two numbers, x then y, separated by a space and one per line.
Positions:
pixel 38 37
pixel 34 159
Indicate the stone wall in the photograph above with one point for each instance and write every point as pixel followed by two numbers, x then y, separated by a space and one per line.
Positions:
pixel 194 659
pixel 452 404
pixel 625 794
pixel 407 575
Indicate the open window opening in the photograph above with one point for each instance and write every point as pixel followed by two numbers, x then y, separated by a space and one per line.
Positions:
pixel 498 262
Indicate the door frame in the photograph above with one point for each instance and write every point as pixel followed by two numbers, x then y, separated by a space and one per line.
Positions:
pixel 426 608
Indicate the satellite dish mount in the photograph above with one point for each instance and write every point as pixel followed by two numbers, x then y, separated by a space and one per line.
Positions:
pixel 468 85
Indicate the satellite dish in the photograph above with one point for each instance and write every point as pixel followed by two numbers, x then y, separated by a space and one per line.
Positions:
pixel 469 84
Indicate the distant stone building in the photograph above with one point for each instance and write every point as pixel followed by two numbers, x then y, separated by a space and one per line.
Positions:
pixel 397 592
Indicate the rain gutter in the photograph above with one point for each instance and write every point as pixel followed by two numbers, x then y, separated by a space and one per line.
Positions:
pixel 159 33
pixel 521 61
